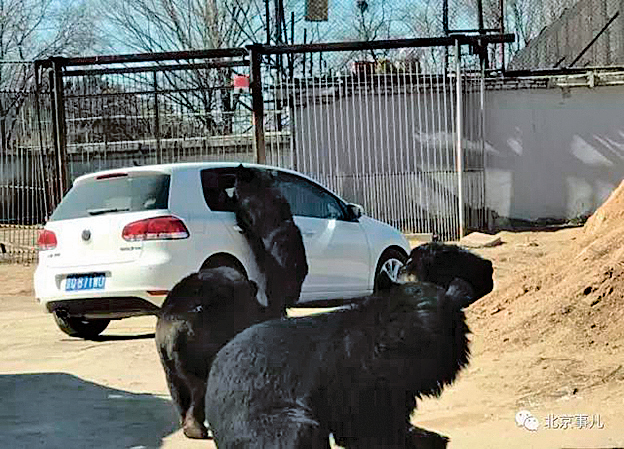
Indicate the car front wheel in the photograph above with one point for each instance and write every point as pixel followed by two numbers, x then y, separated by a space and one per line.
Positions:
pixel 80 327
pixel 390 262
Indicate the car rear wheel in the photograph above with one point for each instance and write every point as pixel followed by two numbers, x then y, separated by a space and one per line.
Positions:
pixel 390 262
pixel 80 327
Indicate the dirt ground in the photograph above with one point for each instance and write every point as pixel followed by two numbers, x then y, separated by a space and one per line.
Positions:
pixel 548 340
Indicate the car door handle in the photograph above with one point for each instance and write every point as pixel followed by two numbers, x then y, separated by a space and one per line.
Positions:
pixel 308 233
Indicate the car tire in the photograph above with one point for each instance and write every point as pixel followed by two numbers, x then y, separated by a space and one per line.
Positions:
pixel 80 327
pixel 391 261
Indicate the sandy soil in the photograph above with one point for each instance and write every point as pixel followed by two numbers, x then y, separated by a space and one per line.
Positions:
pixel 549 340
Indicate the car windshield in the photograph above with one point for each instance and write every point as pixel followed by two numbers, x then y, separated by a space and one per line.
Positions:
pixel 112 194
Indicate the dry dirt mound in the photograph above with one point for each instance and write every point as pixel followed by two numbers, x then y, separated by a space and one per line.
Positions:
pixel 609 215
pixel 572 298
pixel 568 305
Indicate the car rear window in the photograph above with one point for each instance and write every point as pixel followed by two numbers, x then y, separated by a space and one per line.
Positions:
pixel 112 194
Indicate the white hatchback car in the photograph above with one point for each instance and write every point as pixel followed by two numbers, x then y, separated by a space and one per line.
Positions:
pixel 120 239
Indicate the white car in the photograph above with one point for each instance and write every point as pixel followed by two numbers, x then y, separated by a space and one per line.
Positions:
pixel 120 239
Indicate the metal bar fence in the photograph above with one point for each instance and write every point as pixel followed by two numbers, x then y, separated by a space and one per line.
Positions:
pixel 382 134
pixel 375 122
pixel 156 115
pixel 24 155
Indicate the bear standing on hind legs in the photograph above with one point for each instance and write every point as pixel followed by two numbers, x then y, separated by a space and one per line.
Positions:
pixel 264 215
pixel 207 309
pixel 352 373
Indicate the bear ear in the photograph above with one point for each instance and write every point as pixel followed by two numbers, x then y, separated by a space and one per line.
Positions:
pixel 460 294
pixel 418 263
pixel 205 274
pixel 244 173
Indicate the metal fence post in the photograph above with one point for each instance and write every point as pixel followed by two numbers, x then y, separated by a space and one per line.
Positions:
pixel 487 216
pixel 159 155
pixel 60 135
pixel 45 184
pixel 460 152
pixel 257 102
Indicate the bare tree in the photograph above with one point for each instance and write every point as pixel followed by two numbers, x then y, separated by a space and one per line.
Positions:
pixel 173 25
pixel 36 29
pixel 425 20
pixel 371 22
pixel 166 25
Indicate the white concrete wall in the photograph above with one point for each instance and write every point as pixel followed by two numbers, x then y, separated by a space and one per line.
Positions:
pixel 553 153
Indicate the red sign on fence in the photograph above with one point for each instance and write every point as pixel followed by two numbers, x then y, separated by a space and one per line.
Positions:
pixel 241 81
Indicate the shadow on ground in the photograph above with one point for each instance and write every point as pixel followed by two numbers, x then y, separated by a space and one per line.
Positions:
pixel 106 337
pixel 57 410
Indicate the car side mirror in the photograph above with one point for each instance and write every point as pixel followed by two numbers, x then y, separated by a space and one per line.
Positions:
pixel 355 210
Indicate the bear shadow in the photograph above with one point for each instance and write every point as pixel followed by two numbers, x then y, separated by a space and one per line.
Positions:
pixel 109 337
pixel 58 410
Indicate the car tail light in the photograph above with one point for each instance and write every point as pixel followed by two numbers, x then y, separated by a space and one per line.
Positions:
pixel 159 228
pixel 111 175
pixel 46 240
pixel 157 292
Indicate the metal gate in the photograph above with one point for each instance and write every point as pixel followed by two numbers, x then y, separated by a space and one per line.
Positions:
pixel 388 127
pixel 148 109
pixel 24 131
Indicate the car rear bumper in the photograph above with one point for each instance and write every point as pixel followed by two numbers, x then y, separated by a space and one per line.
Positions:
pixel 130 289
pixel 111 308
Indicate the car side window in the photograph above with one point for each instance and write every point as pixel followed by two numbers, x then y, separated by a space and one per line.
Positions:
pixel 307 199
pixel 218 188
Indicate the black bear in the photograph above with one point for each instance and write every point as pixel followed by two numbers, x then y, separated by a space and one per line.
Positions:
pixel 264 215
pixel 207 309
pixel 201 314
pixel 441 263
pixel 353 373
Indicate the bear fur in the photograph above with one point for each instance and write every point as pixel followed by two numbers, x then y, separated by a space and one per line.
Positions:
pixel 198 317
pixel 264 215
pixel 353 373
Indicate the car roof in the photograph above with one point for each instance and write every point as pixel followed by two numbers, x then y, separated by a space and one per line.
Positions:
pixel 182 166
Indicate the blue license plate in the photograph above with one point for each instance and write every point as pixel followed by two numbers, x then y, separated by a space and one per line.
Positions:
pixel 85 282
